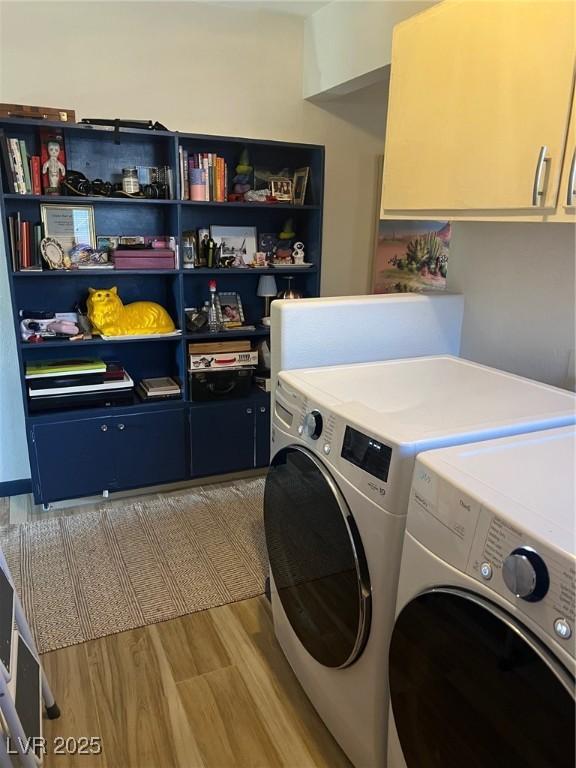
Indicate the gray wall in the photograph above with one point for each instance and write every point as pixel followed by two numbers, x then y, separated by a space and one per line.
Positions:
pixel 518 282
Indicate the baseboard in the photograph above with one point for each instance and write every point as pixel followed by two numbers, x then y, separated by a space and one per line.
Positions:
pixel 15 487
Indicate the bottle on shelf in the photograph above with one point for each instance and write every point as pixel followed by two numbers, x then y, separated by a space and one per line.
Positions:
pixel 214 324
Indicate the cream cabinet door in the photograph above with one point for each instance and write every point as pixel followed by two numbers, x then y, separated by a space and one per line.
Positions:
pixel 567 199
pixel 480 91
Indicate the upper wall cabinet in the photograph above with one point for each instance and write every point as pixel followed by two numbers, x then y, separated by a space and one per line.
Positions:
pixel 567 199
pixel 480 99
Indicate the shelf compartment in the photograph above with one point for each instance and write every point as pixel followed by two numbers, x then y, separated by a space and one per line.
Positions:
pixel 34 293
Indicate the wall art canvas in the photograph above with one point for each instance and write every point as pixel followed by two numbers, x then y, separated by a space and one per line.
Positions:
pixel 411 256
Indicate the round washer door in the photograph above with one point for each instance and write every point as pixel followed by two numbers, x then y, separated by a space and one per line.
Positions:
pixel 469 686
pixel 316 558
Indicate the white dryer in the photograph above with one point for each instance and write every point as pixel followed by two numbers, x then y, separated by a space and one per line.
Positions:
pixel 344 440
pixel 482 656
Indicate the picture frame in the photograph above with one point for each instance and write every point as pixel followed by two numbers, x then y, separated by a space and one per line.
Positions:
pixel 230 311
pixel 107 243
pixel 281 188
pixel 300 184
pixel 69 225
pixel 237 242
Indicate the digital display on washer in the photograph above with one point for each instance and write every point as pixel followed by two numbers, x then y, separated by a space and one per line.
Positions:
pixel 368 454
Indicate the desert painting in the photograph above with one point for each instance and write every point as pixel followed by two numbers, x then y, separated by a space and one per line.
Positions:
pixel 411 256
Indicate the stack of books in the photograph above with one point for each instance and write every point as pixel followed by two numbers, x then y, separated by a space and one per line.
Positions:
pixel 24 241
pixel 21 169
pixel 203 176
pixel 78 383
pixel 162 388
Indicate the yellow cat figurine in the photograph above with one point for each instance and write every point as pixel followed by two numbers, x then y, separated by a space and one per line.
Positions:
pixel 111 317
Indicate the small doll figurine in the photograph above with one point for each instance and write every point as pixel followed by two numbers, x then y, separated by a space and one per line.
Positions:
pixel 53 168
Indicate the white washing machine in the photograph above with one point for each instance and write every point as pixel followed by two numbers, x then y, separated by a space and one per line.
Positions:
pixel 343 445
pixel 482 656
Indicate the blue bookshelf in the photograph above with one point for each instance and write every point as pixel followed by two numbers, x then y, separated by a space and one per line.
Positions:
pixel 90 450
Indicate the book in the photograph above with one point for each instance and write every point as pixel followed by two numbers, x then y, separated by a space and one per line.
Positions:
pixel 65 380
pixel 36 241
pixel 57 367
pixel 77 389
pixel 241 345
pixel 163 385
pixel 26 166
pixel 25 252
pixel 7 163
pixel 13 239
pixel 14 147
pixel 36 175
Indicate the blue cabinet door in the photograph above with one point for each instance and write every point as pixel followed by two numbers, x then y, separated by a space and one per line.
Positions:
pixel 150 448
pixel 72 458
pixel 222 437
pixel 262 435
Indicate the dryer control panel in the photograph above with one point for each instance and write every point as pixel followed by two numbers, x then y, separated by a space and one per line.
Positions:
pixel 534 577
pixel 365 461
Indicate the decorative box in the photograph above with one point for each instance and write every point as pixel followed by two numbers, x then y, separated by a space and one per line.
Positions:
pixel 223 360
pixel 221 384
pixel 144 258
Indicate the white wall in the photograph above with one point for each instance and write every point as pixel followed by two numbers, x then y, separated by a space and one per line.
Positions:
pixel 347 43
pixel 518 281
pixel 198 68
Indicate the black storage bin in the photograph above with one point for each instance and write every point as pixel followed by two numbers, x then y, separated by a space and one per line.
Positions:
pixel 221 384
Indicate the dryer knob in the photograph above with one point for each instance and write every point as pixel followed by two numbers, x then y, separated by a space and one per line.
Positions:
pixel 525 574
pixel 313 424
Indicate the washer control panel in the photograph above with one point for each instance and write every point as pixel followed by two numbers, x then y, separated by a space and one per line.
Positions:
pixel 532 576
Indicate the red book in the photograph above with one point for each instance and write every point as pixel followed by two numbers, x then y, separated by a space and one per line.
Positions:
pixel 25 259
pixel 35 175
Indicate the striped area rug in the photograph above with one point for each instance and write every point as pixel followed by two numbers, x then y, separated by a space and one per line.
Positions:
pixel 96 573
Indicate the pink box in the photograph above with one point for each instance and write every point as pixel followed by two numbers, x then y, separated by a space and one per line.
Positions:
pixel 162 262
pixel 144 258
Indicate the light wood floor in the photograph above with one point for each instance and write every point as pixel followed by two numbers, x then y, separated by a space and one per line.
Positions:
pixel 211 689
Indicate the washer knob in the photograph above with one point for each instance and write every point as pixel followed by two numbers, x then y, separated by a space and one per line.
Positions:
pixel 313 424
pixel 525 574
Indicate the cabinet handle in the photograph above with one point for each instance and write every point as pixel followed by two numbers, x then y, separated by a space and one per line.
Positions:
pixel 262 409
pixel 571 181
pixel 248 410
pixel 121 427
pixel 104 427
pixel 537 193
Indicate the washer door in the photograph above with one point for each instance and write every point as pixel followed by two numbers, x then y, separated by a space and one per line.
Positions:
pixel 471 687
pixel 316 558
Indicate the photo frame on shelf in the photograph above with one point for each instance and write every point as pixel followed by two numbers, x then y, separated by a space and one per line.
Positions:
pixel 107 243
pixel 230 311
pixel 281 188
pixel 238 243
pixel 300 183
pixel 69 225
